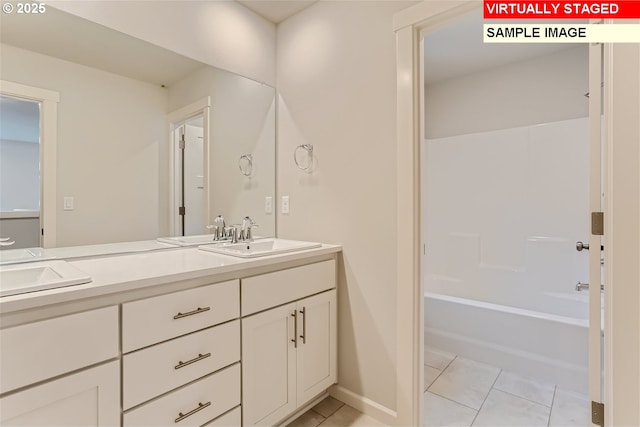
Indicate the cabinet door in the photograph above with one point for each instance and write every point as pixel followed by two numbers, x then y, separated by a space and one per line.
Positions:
pixel 87 398
pixel 317 341
pixel 268 366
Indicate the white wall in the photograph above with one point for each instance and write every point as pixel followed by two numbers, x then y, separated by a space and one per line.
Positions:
pixel 540 90
pixel 19 175
pixel 337 85
pixel 242 121
pixel 223 34
pixel 503 211
pixel 111 145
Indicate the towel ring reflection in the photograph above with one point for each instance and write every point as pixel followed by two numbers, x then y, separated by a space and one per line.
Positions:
pixel 245 164
pixel 305 148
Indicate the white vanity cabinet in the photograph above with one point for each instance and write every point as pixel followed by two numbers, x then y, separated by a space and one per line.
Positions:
pixel 181 356
pixel 289 351
pixel 72 349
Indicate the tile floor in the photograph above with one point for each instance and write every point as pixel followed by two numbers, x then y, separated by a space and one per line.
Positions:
pixel 333 413
pixel 462 392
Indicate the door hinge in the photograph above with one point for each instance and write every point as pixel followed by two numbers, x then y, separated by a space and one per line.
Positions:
pixel 597 413
pixel 181 210
pixel 597 223
pixel 42 231
pixel 181 144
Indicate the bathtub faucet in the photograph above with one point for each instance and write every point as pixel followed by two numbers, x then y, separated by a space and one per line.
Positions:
pixel 580 286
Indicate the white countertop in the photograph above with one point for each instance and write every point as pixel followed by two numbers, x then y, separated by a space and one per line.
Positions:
pixel 130 271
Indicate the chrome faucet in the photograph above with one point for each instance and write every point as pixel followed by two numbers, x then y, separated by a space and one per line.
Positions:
pixel 245 229
pixel 219 228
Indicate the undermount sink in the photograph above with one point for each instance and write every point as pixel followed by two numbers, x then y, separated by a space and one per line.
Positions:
pixel 258 248
pixel 38 276
pixel 202 239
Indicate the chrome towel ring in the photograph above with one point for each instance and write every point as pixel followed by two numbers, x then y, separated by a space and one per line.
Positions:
pixel 301 151
pixel 245 164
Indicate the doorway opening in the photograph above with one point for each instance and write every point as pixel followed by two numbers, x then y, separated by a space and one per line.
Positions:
pixel 19 173
pixel 505 196
pixel 28 134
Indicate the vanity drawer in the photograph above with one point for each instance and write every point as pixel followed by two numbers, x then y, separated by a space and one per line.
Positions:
pixel 155 370
pixel 273 289
pixel 156 319
pixel 215 394
pixel 231 418
pixel 44 349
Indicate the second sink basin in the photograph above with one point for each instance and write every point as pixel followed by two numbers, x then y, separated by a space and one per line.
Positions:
pixel 38 276
pixel 262 247
pixel 201 239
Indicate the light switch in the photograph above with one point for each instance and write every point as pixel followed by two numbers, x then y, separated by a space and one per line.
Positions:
pixel 285 205
pixel 68 203
pixel 268 205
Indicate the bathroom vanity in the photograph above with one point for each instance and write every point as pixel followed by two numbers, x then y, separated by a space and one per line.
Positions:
pixel 173 337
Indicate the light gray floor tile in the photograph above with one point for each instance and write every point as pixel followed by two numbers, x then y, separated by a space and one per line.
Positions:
pixel 437 359
pixel 466 382
pixel 430 375
pixel 504 409
pixel 328 407
pixel 528 388
pixel 347 417
pixel 308 419
pixel 570 409
pixel 439 411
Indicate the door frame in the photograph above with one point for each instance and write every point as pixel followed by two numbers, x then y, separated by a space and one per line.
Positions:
pixel 176 119
pixel 622 207
pixel 48 100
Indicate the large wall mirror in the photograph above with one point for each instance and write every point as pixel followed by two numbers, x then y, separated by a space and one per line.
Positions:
pixel 124 106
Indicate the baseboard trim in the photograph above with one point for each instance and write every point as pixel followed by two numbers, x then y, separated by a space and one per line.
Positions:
pixel 364 405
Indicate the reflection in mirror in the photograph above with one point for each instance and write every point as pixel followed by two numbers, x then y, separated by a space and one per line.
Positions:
pixel 114 143
pixel 19 173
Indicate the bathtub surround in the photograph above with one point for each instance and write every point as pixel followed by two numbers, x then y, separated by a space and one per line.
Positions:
pixel 503 212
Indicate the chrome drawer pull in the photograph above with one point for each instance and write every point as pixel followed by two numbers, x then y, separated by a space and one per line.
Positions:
pixel 304 325
pixel 182 364
pixel 200 407
pixel 295 328
pixel 191 313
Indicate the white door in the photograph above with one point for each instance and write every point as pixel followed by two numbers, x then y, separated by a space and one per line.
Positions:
pixel 269 366
pixel 316 357
pixel 194 177
pixel 596 254
pixel 88 398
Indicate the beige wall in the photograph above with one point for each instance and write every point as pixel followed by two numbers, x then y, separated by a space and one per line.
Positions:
pixel 111 139
pixel 223 34
pixel 337 86
pixel 540 90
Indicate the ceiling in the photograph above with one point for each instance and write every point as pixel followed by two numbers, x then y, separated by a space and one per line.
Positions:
pixel 277 11
pixel 85 42
pixel 458 49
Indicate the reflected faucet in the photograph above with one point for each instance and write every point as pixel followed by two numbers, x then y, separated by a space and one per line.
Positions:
pixel 219 228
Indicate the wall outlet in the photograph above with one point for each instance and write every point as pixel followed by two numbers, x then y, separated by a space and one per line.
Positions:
pixel 285 205
pixel 268 205
pixel 68 203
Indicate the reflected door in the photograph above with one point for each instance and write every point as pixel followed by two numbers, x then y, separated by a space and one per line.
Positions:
pixel 190 174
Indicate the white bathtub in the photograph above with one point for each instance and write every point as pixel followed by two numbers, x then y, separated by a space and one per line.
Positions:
pixel 541 345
